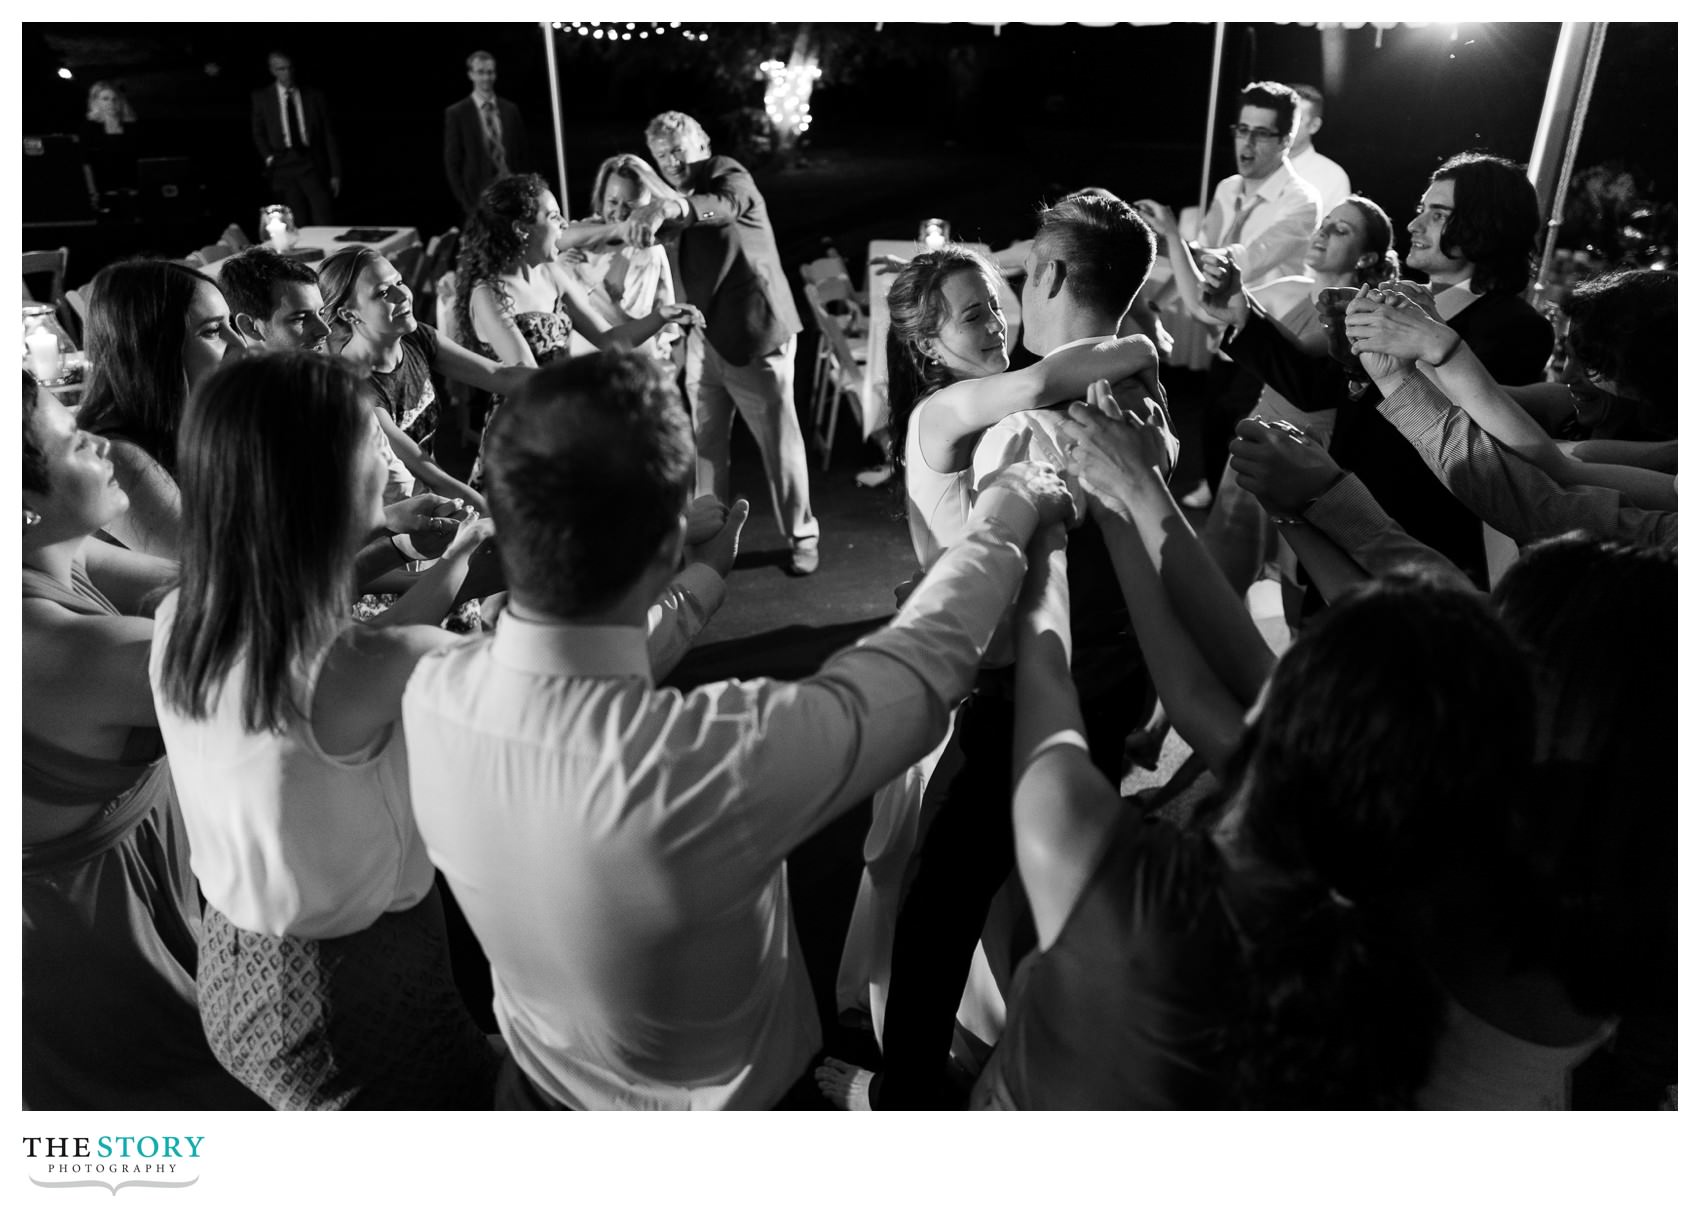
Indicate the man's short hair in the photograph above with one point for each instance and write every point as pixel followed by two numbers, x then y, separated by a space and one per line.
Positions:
pixel 1311 95
pixel 1496 220
pixel 478 57
pixel 674 123
pixel 1271 94
pixel 588 465
pixel 1104 245
pixel 250 280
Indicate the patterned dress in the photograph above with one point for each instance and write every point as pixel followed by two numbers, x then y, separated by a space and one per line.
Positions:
pixel 548 334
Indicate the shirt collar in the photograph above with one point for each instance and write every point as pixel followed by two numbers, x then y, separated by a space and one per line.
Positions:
pixel 1454 299
pixel 478 102
pixel 1271 186
pixel 554 649
pixel 1081 341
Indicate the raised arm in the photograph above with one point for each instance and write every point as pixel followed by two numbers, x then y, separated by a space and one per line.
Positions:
pixel 957 415
pixel 693 596
pixel 1210 669
pixel 1064 809
pixel 131 580
pixel 463 366
pixel 1189 282
pixel 600 333
pixel 1387 323
pixel 154 520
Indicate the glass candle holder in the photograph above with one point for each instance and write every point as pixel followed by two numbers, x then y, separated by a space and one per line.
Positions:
pixel 277 227
pixel 46 344
pixel 934 234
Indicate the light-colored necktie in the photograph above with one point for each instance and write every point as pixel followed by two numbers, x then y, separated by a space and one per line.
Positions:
pixel 293 134
pixel 1242 210
pixel 493 140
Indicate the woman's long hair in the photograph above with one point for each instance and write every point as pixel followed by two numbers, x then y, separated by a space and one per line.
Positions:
pixel 1598 620
pixel 136 326
pixel 269 457
pixel 339 278
pixel 493 241
pixel 916 301
pixel 1378 241
pixel 1387 759
pixel 634 169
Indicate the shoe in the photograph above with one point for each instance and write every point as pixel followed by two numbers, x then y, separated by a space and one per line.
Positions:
pixel 873 477
pixel 1200 497
pixel 805 558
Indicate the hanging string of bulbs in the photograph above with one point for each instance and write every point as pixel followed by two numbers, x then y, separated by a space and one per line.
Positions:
pixel 625 31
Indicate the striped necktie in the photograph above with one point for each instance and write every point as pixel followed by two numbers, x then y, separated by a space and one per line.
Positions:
pixel 493 140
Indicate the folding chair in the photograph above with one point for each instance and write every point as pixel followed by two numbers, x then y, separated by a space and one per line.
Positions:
pixel 838 375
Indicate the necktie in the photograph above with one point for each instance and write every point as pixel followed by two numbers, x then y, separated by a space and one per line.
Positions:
pixel 1242 209
pixel 294 134
pixel 493 140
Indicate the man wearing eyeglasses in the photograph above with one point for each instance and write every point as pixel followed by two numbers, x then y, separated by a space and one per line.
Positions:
pixel 1262 217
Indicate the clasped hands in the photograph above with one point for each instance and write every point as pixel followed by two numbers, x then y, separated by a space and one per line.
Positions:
pixel 431 522
pixel 1392 325
pixel 1281 465
pixel 1119 455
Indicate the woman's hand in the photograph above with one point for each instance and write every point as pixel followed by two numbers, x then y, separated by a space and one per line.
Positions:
pixel 1159 216
pixel 1390 324
pixel 473 532
pixel 1281 465
pixel 684 314
pixel 1233 311
pixel 427 520
pixel 704 518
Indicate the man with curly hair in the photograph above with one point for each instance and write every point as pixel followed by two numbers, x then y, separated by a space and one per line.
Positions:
pixel 1474 236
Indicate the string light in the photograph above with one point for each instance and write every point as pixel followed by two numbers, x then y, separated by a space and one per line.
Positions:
pixel 787 99
pixel 657 28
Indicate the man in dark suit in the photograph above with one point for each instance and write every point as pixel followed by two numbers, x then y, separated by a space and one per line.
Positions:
pixel 483 135
pixel 292 132
pixel 728 265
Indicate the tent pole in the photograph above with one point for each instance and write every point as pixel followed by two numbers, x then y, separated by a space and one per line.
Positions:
pixel 555 105
pixel 1210 121
pixel 1575 62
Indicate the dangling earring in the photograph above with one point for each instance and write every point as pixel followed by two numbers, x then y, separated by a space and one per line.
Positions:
pixel 31 518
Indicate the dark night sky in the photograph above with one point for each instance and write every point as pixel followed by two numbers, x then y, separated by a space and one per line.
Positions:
pixel 1040 107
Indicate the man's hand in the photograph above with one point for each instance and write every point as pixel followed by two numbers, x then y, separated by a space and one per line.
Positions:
pixel 720 550
pixel 1390 324
pixel 336 187
pixel 704 518
pixel 886 263
pixel 1159 216
pixel 642 225
pixel 1041 487
pixel 1283 467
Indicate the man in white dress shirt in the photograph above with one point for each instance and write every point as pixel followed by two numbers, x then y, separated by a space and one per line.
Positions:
pixel 1331 181
pixel 1262 219
pixel 619 848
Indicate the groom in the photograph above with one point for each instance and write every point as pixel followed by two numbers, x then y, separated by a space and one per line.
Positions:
pixel 1089 258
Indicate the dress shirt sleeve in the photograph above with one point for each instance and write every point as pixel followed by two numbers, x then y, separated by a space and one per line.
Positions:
pixel 1513 496
pixel 685 608
pixel 1354 520
pixel 815 747
pixel 1283 241
pixel 727 194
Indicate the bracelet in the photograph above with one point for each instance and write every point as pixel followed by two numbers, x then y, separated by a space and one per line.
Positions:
pixel 1286 519
pixel 1457 342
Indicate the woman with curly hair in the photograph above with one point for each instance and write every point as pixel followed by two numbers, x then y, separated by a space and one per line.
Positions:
pixel 516 304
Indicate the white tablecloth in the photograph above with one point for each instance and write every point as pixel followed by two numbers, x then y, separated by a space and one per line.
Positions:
pixel 874 407
pixel 325 238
